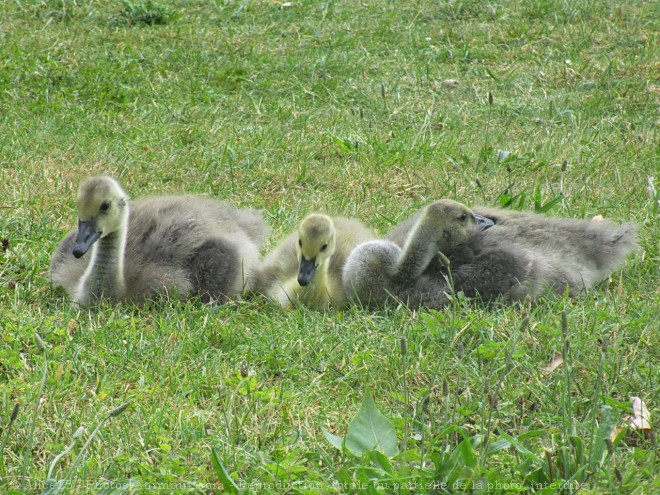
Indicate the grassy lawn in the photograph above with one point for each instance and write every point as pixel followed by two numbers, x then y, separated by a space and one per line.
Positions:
pixel 368 109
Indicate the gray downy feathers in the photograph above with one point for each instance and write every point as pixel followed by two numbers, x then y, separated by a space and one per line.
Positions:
pixel 521 254
pixel 180 246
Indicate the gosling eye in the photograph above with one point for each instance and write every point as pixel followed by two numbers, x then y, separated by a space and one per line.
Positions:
pixel 464 217
pixel 324 247
pixel 105 206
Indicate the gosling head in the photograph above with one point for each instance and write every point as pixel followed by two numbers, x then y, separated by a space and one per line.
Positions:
pixel 453 222
pixel 316 244
pixel 101 211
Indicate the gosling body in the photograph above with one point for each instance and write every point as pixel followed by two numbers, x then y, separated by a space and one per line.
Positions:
pixel 179 246
pixel 515 255
pixel 583 252
pixel 306 267
pixel 381 272
pixel 542 254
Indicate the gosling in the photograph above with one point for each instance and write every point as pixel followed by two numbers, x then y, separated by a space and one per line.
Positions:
pixel 508 256
pixel 181 246
pixel 380 272
pixel 543 254
pixel 306 267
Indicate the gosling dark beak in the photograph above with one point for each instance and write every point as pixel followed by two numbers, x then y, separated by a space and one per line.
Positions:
pixel 482 222
pixel 307 268
pixel 87 235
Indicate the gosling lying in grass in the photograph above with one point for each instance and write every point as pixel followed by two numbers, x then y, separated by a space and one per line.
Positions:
pixel 306 267
pixel 568 252
pixel 381 271
pixel 502 254
pixel 177 245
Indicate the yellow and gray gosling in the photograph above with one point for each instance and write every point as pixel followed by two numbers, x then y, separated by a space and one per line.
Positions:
pixel 558 253
pixel 180 246
pixel 306 267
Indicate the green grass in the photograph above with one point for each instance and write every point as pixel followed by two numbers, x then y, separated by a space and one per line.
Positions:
pixel 340 107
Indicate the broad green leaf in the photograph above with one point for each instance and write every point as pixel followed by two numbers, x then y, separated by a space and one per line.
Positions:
pixel 476 441
pixel 371 430
pixel 546 207
pixel 518 446
pixel 578 448
pixel 489 349
pixel 539 475
pixel 467 453
pixel 335 440
pixel 344 144
pixel 622 406
pixel 380 461
pixel 531 434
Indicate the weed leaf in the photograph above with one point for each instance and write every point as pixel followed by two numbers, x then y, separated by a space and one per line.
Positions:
pixel 498 445
pixel 380 461
pixel 371 430
pixel 548 206
pixel 515 441
pixel 467 454
pixel 335 440
pixel 344 144
pixel 227 482
pixel 608 422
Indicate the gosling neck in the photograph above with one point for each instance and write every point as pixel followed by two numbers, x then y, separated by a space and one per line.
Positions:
pixel 104 277
pixel 422 245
